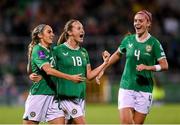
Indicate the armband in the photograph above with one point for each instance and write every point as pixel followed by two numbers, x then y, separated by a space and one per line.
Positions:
pixel 157 67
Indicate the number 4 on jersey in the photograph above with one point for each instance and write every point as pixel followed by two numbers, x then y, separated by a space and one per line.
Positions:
pixel 137 54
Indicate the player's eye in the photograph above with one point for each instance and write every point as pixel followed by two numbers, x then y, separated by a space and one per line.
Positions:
pixel 49 31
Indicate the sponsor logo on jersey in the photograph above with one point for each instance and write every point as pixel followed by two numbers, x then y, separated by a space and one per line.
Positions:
pixel 148 48
pixel 32 114
pixel 65 54
pixel 74 111
pixel 130 45
pixel 41 54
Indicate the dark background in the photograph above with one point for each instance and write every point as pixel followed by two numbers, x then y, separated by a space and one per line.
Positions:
pixel 105 23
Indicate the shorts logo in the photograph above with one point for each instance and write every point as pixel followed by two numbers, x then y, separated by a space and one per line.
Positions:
pixel 74 111
pixel 32 114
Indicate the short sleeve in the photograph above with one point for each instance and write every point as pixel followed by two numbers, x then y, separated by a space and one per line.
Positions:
pixel 122 46
pixel 158 51
pixel 39 57
pixel 87 57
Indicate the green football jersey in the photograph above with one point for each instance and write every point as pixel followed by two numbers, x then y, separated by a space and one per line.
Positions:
pixel 72 62
pixel 148 53
pixel 41 56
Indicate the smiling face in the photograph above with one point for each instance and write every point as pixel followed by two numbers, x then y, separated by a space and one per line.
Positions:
pixel 141 24
pixel 77 32
pixel 47 36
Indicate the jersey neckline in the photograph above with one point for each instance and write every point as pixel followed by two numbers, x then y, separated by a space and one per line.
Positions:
pixel 68 46
pixel 144 40
pixel 43 47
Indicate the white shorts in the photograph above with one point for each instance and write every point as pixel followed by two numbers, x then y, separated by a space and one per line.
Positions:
pixel 73 107
pixel 140 101
pixel 41 108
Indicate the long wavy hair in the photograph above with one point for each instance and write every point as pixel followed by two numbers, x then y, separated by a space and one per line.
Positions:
pixel 35 40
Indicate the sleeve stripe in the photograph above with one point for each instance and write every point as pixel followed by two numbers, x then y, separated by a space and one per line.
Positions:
pixel 161 58
pixel 43 64
pixel 120 51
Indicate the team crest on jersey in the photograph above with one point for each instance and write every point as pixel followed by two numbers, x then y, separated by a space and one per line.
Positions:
pixel 32 114
pixel 148 48
pixel 41 54
pixel 74 111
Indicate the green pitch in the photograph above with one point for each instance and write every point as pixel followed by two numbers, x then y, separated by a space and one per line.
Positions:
pixel 103 113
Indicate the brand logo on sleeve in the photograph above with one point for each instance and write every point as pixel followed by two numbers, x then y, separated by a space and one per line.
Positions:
pixel 41 54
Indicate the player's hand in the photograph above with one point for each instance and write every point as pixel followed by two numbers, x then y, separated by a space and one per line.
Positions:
pixel 77 78
pixel 34 77
pixel 106 56
pixel 99 77
pixel 141 67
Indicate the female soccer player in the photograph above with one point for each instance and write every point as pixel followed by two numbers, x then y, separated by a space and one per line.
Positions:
pixel 73 59
pixel 40 104
pixel 142 52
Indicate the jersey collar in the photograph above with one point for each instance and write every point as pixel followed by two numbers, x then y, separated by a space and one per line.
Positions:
pixel 144 40
pixel 43 47
pixel 66 44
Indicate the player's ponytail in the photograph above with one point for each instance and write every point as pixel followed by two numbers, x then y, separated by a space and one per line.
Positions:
pixel 64 36
pixel 30 48
pixel 35 40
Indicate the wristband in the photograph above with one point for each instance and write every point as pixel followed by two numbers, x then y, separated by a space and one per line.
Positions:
pixel 157 67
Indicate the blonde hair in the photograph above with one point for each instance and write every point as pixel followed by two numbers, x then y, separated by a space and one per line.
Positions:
pixel 147 15
pixel 35 40
pixel 64 36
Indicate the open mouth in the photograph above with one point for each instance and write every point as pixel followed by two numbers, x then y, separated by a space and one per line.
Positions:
pixel 138 28
pixel 81 35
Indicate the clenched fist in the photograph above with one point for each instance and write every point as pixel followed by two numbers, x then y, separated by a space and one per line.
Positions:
pixel 106 56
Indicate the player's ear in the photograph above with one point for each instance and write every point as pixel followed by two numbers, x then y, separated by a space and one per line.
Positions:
pixel 40 35
pixel 69 33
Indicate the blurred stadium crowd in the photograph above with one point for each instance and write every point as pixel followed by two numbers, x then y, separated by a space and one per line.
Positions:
pixel 105 22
